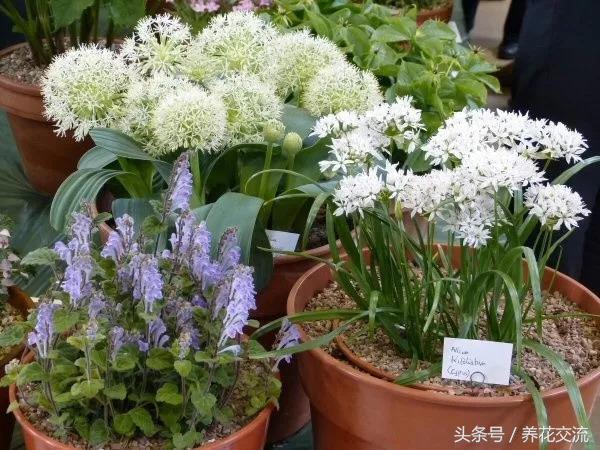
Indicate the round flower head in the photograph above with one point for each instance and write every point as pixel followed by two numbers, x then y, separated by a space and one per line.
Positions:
pixel 357 192
pixel 250 103
pixel 157 45
pixel 340 87
pixel 297 57
pixel 234 42
pixel 140 102
pixel 191 119
pixel 83 89
pixel 555 206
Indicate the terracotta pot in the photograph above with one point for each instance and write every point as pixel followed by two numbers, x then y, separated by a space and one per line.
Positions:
pixel 47 159
pixel 352 410
pixel 442 13
pixel 250 437
pixel 23 303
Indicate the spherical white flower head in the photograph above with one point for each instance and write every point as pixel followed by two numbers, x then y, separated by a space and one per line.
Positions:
pixel 83 89
pixel 341 87
pixel 157 45
pixel 231 43
pixel 297 56
pixel 335 125
pixel 422 194
pixel 250 103
pixel 357 192
pixel 558 141
pixel 140 102
pixel 471 222
pixel 555 206
pixel 190 119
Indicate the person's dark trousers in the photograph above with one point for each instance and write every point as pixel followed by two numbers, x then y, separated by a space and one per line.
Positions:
pixel 470 11
pixel 514 21
pixel 555 77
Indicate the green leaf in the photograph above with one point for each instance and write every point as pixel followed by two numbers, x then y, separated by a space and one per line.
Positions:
pixel 80 187
pixel 126 13
pixel 124 362
pixel 13 335
pixel 96 158
pixel 64 320
pixel 169 393
pixel 30 373
pixel 297 120
pixel 387 33
pixel 13 406
pixel 183 368
pixel 66 12
pixel 187 440
pixel 152 226
pixel 87 388
pixel 98 433
pixel 139 209
pixel 40 257
pixel 123 424
pixel 204 403
pixel 143 420
pixel 117 392
pixel 159 359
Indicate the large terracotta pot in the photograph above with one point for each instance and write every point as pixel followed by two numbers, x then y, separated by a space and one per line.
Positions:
pixel 47 159
pixel 352 410
pixel 442 13
pixel 250 437
pixel 23 303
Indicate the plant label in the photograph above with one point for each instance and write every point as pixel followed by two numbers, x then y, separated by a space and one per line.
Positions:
pixel 282 241
pixel 477 361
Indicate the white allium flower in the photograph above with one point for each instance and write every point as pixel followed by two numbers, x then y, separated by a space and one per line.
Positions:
pixel 471 221
pixel 231 43
pixel 422 194
pixel 157 45
pixel 341 87
pixel 83 89
pixel 192 119
pixel 297 56
pixel 558 141
pixel 556 205
pixel 250 103
pixel 334 125
pixel 357 192
pixel 140 102
pixel 356 149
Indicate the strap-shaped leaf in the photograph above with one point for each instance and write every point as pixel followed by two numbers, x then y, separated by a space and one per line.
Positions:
pixel 137 208
pixel 297 120
pixel 81 186
pixel 96 158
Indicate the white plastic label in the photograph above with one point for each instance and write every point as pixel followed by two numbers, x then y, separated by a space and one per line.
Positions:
pixel 477 361
pixel 282 241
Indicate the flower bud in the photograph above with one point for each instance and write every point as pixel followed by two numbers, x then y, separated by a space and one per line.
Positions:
pixel 273 131
pixel 292 144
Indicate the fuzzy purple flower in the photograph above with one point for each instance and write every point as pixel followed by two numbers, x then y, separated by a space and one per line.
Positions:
pixel 96 307
pixel 120 241
pixel 184 343
pixel 147 280
pixel 229 250
pixel 157 334
pixel 118 338
pixel 241 299
pixel 78 279
pixel 288 336
pixel 181 185
pixel 43 333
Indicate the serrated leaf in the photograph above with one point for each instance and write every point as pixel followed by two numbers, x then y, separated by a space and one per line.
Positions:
pixel 98 433
pixel 117 392
pixel 159 359
pixel 40 257
pixel 204 403
pixel 126 13
pixel 123 424
pixel 64 320
pixel 183 368
pixel 30 373
pixel 66 12
pixel 124 363
pixel 87 388
pixel 187 440
pixel 12 336
pixel 143 420
pixel 168 393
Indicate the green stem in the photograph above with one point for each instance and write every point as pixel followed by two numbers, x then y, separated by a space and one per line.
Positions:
pixel 262 190
pixel 198 194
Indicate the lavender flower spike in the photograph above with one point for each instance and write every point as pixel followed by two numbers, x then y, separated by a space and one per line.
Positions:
pixel 157 333
pixel 120 241
pixel 181 184
pixel 242 299
pixel 147 280
pixel 43 333
pixel 289 336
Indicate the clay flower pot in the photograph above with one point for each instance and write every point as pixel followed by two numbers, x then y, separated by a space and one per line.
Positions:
pixel 47 159
pixel 353 410
pixel 21 301
pixel 442 13
pixel 250 437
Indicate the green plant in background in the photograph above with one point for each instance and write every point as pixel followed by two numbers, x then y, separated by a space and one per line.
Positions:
pixel 420 4
pixel 52 26
pixel 425 62
pixel 501 220
pixel 145 341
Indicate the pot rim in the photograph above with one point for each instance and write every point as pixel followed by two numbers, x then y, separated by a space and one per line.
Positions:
pixel 240 434
pixel 425 395
pixel 14 85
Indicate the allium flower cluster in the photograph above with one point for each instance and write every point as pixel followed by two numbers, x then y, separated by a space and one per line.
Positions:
pixel 84 89
pixel 359 141
pixel 555 206
pixel 485 130
pixel 358 192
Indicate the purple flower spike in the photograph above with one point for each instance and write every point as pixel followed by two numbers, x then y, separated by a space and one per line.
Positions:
pixel 157 336
pixel 147 280
pixel 289 336
pixel 78 279
pixel 229 251
pixel 181 185
pixel 43 333
pixel 120 241
pixel 96 307
pixel 241 299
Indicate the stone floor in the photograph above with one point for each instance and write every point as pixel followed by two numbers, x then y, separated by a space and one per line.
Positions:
pixel 486 34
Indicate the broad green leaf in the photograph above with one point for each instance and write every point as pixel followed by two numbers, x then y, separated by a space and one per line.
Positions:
pixel 80 187
pixel 13 335
pixel 183 367
pixel 143 420
pixel 87 388
pixel 139 209
pixel 66 12
pixel 126 13
pixel 98 433
pixel 187 440
pixel 159 359
pixel 388 33
pixel 124 362
pixel 123 424
pixel 40 257
pixel 168 393
pixel 203 402
pixel 297 120
pixel 96 158
pixel 64 320
pixel 117 391
pixel 30 373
